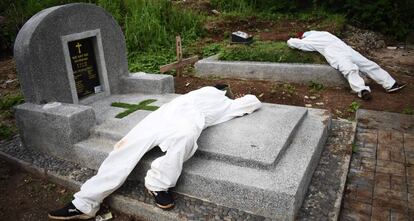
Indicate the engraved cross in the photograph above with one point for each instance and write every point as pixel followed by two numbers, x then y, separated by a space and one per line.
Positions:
pixel 78 45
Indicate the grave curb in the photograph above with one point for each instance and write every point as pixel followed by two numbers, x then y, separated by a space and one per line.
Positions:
pixel 345 169
pixel 286 72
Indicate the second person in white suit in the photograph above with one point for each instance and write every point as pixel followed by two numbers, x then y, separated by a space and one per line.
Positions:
pixel 345 59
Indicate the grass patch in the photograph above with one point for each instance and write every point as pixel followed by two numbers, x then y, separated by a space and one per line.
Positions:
pixel 283 88
pixel 8 101
pixel 408 110
pixel 150 61
pixel 6 132
pixel 355 148
pixel 212 49
pixel 354 106
pixel 269 52
pixel 315 86
pixel 130 108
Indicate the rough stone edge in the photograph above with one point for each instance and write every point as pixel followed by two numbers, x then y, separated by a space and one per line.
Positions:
pixel 148 83
pixel 213 61
pixel 370 119
pixel 116 201
pixel 345 169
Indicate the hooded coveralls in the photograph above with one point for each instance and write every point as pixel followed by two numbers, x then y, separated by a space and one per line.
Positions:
pixel 175 128
pixel 343 58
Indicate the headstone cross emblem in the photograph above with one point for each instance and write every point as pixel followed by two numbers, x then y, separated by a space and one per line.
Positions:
pixel 130 108
pixel 78 45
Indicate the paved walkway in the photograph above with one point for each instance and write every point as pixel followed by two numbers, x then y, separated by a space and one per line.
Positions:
pixel 380 183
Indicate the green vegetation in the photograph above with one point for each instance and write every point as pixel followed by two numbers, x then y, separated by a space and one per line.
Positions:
pixel 17 12
pixel 408 110
pixel 149 26
pixel 6 132
pixel 7 127
pixel 354 106
pixel 387 16
pixel 212 49
pixel 269 51
pixel 355 148
pixel 143 105
pixel 283 88
pixel 8 101
pixel 315 86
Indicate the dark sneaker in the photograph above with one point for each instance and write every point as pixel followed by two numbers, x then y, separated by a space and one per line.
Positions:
pixel 396 87
pixel 366 95
pixel 163 199
pixel 67 213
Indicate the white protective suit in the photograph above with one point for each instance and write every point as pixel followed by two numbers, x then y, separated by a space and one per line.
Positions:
pixel 175 128
pixel 343 58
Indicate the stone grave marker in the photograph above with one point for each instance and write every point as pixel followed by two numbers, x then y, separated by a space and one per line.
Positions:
pixel 67 57
pixel 72 65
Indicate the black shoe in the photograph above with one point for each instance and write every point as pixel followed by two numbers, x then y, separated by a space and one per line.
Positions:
pixel 396 87
pixel 163 199
pixel 366 95
pixel 67 213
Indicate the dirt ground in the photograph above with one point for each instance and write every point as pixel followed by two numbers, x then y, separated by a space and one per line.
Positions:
pixel 25 197
pixel 400 64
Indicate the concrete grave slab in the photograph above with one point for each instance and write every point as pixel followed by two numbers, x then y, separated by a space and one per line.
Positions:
pixel 285 72
pixel 275 190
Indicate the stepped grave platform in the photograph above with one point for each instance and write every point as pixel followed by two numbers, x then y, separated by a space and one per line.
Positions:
pixel 260 163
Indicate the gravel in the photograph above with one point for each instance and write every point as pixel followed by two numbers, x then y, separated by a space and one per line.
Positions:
pixel 363 39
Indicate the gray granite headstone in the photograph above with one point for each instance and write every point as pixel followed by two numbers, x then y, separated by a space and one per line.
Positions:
pixel 70 53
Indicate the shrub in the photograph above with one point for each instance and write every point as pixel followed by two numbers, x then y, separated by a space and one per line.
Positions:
pixel 391 17
pixel 8 101
pixel 6 132
pixel 153 24
pixel 17 12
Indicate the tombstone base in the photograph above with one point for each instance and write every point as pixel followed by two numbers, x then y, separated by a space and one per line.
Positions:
pixel 275 190
pixel 53 128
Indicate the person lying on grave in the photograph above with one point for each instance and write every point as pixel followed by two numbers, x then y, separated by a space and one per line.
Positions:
pixel 175 128
pixel 345 59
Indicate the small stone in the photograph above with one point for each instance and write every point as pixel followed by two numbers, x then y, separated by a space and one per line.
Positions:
pixel 214 11
pixel 306 97
pixel 308 105
pixel 391 47
pixel 313 97
pixel 319 103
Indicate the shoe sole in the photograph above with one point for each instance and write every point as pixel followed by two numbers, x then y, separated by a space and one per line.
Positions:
pixel 164 207
pixel 396 89
pixel 83 216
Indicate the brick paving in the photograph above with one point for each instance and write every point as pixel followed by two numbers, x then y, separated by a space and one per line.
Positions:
pixel 380 183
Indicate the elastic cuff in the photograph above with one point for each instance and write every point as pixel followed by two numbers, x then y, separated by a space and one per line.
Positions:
pixel 390 84
pixel 359 92
pixel 153 188
pixel 84 207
